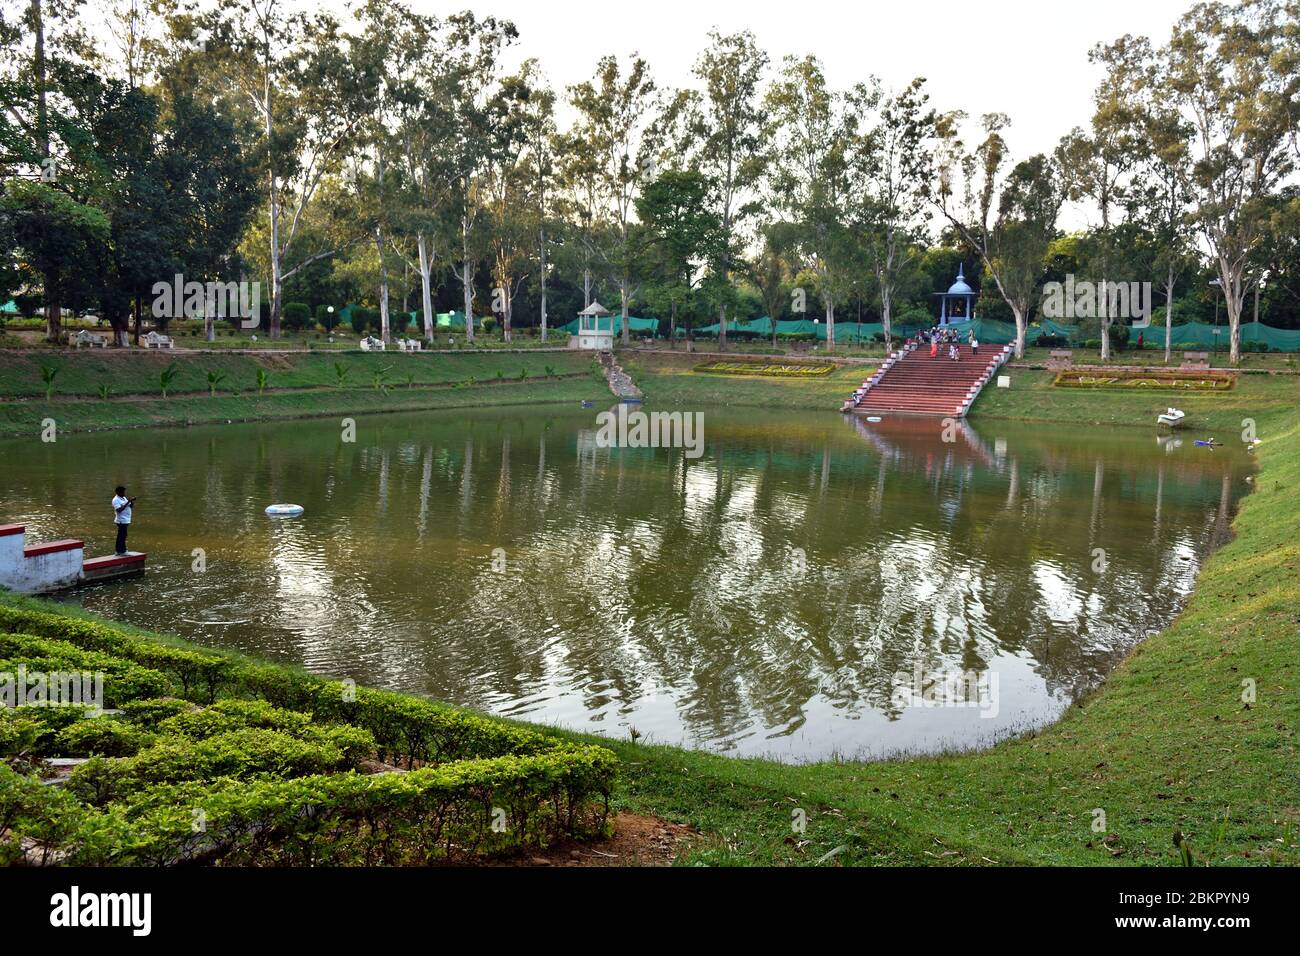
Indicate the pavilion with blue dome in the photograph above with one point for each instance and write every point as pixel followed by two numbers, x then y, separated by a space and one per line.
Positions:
pixel 958 303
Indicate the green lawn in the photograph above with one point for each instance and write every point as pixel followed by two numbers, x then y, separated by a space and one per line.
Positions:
pixel 300 385
pixel 669 380
pixel 132 373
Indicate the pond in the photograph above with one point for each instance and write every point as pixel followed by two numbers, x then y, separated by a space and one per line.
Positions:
pixel 809 586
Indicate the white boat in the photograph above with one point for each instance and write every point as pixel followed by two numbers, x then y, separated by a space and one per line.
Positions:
pixel 1172 417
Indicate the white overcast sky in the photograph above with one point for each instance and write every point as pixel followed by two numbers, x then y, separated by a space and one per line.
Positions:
pixel 1023 58
pixel 1020 57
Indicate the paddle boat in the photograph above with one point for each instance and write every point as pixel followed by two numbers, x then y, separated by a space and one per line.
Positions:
pixel 1172 417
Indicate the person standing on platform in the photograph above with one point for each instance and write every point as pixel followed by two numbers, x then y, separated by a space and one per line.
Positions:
pixel 122 517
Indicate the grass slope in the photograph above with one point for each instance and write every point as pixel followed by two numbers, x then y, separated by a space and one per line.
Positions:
pixel 301 386
pixel 134 373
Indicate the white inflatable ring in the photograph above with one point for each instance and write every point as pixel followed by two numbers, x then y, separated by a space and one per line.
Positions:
pixel 284 511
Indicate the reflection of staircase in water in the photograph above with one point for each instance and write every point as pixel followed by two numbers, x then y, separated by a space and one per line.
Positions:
pixel 910 382
pixel 904 438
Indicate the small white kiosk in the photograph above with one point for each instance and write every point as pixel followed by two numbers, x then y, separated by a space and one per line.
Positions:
pixel 595 329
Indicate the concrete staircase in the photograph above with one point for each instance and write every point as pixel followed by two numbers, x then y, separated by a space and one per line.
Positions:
pixel 913 383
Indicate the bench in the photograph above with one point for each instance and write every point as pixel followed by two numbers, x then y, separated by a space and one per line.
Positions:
pixel 156 340
pixel 408 345
pixel 1196 360
pixel 1060 357
pixel 90 340
pixel 372 344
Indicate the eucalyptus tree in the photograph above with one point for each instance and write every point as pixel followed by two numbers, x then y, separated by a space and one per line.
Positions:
pixel 307 94
pixel 426 130
pixel 810 133
pixel 727 124
pixel 1160 192
pixel 507 183
pixel 578 204
pixel 471 59
pixel 895 159
pixel 772 272
pixel 1007 216
pixel 541 144
pixel 1230 71
pixel 393 44
pixel 616 110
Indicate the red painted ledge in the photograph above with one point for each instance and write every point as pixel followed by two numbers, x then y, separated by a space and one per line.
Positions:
pixel 8 529
pixel 112 561
pixel 52 547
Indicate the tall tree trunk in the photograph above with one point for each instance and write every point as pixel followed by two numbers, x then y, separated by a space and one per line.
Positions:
pixel 426 286
pixel 624 302
pixel 541 276
pixel 507 314
pixel 277 265
pixel 1169 312
pixel 722 328
pixel 830 323
pixel 672 327
pixel 384 328
pixel 467 279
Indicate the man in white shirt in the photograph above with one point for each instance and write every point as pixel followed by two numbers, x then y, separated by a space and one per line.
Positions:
pixel 122 516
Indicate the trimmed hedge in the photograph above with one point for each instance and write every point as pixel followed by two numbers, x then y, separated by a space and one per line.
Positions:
pixel 269 759
pixel 442 813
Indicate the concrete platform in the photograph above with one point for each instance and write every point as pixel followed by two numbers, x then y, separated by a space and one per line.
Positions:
pixel 113 566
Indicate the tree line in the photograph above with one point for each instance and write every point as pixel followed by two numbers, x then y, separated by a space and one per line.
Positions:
pixel 389 156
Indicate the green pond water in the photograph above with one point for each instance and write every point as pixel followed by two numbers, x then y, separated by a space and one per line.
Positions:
pixel 809 586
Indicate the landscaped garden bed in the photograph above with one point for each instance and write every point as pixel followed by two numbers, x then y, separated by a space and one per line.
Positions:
pixel 206 758
pixel 773 369
pixel 1147 379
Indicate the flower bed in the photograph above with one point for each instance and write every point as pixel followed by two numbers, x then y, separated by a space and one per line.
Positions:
pixel 773 369
pixel 1145 379
pixel 217 760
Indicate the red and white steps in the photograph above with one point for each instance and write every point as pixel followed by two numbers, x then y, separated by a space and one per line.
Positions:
pixel 54 565
pixel 910 382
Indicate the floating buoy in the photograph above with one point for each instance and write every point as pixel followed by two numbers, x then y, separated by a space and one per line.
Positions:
pixel 284 511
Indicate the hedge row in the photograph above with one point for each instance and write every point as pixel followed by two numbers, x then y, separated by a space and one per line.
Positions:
pixel 268 760
pixel 405 728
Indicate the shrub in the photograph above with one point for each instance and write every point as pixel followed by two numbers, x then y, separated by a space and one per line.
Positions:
pixel 296 316
pixel 435 813
pixel 101 736
pixel 359 319
pixel 149 713
pixel 238 754
pixel 271 763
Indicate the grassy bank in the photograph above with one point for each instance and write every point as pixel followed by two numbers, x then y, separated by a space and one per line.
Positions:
pixel 669 380
pixel 1033 397
pixel 298 386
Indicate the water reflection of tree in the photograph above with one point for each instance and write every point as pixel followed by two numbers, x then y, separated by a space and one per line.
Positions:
pixel 637 572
